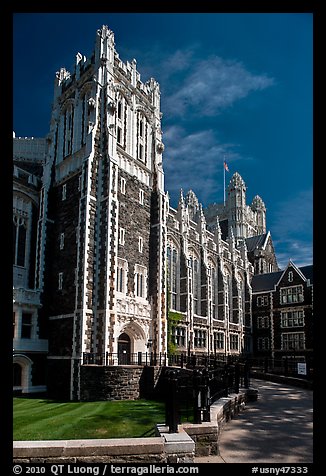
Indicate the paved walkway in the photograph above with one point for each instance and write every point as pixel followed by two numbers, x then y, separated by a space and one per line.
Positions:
pixel 275 429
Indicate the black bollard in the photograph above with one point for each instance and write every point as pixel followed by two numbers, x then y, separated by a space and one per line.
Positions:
pixel 197 396
pixel 246 380
pixel 236 377
pixel 173 424
pixel 206 406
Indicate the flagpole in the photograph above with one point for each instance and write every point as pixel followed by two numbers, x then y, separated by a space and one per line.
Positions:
pixel 224 181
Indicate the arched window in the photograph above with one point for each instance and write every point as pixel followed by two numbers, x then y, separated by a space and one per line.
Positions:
pixel 172 275
pixel 19 237
pixel 195 282
pixel 121 120
pixel 142 137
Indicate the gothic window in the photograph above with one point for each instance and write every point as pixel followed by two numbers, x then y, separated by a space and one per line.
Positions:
pixel 141 137
pixel 195 283
pixel 122 269
pixel 85 115
pixel 121 121
pixel 68 120
pixel 179 336
pixel 218 340
pixel 62 241
pixel 172 263
pixel 121 236
pixel 122 185
pixel 199 338
pixel 60 281
pixel 234 342
pixel 19 237
pixel 140 244
pixel 26 327
pixel 140 281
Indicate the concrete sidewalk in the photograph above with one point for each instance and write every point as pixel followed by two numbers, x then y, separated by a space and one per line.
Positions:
pixel 278 428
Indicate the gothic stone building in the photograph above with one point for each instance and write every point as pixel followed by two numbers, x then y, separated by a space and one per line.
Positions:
pixel 30 345
pixel 112 258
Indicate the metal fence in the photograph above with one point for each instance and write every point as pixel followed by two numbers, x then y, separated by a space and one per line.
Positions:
pixel 191 397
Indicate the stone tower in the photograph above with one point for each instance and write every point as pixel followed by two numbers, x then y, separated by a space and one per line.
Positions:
pixel 101 248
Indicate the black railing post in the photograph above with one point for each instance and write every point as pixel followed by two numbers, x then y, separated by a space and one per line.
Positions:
pixel 266 365
pixel 246 369
pixel 236 377
pixel 197 396
pixel 286 366
pixel 171 404
pixel 206 404
pixel 226 380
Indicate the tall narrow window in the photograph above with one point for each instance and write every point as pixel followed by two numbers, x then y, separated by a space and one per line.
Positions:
pixel 141 197
pixel 119 110
pixel 64 192
pixel 21 246
pixel 26 329
pixel 140 244
pixel 123 185
pixel 140 152
pixel 60 281
pixel 62 241
pixel 172 275
pixel 122 236
pixel 195 285
pixel 119 135
pixel 140 281
pixel 122 270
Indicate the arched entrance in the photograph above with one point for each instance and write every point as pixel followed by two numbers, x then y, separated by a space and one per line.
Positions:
pixel 124 349
pixel 17 377
pixel 22 373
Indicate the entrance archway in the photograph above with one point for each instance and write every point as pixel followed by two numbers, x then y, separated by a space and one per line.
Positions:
pixel 124 349
pixel 22 369
pixel 17 377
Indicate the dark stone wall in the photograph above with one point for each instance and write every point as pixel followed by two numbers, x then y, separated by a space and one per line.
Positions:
pixel 114 382
pixel 60 336
pixel 64 214
pixel 135 219
pixel 58 381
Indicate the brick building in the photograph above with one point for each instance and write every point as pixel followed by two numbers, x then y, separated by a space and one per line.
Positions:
pixel 282 314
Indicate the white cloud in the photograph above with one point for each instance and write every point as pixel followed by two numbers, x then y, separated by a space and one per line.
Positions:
pixel 213 84
pixel 292 224
pixel 195 161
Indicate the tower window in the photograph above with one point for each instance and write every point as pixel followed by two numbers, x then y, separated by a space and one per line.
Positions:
pixel 141 197
pixel 123 185
pixel 122 236
pixel 62 241
pixel 60 281
pixel 26 329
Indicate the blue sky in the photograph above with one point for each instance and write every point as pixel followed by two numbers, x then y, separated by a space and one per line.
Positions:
pixel 237 84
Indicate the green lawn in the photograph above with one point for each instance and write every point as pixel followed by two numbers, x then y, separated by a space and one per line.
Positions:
pixel 41 419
